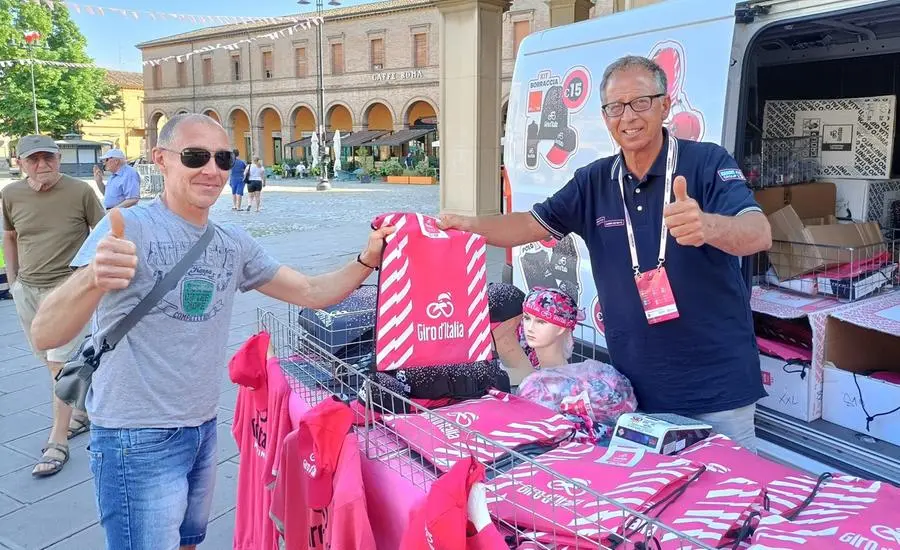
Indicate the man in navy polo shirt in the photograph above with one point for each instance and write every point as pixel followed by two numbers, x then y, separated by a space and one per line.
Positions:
pixel 704 362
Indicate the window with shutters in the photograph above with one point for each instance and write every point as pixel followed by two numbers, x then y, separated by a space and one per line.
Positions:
pixel 337 58
pixel 301 68
pixel 521 29
pixel 235 66
pixel 420 49
pixel 376 49
pixel 268 64
pixel 157 77
pixel 181 74
pixel 207 71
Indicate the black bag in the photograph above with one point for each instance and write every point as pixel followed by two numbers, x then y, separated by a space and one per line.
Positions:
pixel 74 380
pixel 347 329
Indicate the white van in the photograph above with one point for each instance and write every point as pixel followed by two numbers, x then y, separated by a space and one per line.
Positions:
pixel 724 59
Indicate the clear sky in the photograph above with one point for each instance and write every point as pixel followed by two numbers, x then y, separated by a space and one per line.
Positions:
pixel 111 37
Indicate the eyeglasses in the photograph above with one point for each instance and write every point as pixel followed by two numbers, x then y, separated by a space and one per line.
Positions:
pixel 195 157
pixel 638 105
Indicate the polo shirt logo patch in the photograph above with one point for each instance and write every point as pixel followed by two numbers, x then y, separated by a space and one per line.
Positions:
pixel 731 174
pixel 614 223
pixel 601 221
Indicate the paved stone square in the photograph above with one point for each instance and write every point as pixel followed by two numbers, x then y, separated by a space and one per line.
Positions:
pixel 309 230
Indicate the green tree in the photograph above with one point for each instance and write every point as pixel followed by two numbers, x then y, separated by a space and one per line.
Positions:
pixel 66 97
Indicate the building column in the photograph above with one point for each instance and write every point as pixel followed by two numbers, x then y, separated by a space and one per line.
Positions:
pixel 565 12
pixel 471 33
pixel 287 133
pixel 152 136
pixel 259 143
pixel 229 131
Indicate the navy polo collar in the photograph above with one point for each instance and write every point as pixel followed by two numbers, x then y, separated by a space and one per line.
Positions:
pixel 658 168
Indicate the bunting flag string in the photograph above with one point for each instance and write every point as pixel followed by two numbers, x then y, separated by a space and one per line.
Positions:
pixel 11 62
pixel 274 35
pixel 163 16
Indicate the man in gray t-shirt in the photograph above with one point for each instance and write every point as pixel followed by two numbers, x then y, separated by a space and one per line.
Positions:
pixel 153 398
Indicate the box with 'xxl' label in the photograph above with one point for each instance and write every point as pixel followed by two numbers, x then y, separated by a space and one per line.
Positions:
pixel 788 385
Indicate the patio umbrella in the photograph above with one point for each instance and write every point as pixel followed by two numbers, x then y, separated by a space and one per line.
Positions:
pixel 314 145
pixel 337 150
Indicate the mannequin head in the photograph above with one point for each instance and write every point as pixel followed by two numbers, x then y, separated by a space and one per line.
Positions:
pixel 548 317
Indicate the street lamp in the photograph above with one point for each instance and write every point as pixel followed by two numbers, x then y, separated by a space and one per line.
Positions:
pixel 30 38
pixel 323 185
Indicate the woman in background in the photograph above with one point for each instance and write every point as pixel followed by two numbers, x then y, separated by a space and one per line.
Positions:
pixel 255 182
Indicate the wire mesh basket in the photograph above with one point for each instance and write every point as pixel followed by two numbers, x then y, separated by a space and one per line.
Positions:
pixel 784 161
pixel 316 374
pixel 845 273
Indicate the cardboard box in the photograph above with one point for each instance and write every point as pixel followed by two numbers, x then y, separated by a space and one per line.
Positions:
pixel 866 200
pixel 787 305
pixel 852 137
pixel 788 387
pixel 798 248
pixel 810 200
pixel 859 340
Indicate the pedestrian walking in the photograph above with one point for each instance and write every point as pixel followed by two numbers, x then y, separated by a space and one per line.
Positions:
pixel 237 181
pixel 256 180
pixel 154 396
pixel 46 218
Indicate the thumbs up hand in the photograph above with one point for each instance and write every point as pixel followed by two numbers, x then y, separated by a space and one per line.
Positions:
pixel 684 217
pixel 116 258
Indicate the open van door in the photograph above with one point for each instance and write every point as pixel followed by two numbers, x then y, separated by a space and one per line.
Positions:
pixel 554 123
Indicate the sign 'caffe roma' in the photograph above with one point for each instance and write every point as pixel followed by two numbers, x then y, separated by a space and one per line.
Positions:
pixel 398 75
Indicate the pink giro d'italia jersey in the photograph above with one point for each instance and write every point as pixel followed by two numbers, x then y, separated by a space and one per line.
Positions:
pixel 556 511
pixel 432 299
pixel 508 420
pixel 843 512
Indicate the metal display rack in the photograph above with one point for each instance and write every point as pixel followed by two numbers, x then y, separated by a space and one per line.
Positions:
pixel 315 374
pixel 815 269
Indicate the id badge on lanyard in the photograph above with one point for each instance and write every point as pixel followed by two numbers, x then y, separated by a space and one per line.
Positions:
pixel 653 285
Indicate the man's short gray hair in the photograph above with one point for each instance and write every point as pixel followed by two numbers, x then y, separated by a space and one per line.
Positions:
pixel 634 62
pixel 169 130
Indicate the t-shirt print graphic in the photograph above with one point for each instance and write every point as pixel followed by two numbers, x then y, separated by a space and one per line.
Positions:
pixel 198 296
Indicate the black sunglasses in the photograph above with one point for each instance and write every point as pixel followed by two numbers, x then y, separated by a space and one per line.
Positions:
pixel 195 157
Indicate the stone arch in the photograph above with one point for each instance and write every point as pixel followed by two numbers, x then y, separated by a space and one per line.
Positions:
pixel 181 111
pixel 262 109
pixel 268 124
pixel 155 122
pixel 339 116
pixel 213 114
pixel 378 124
pixel 302 119
pixel 504 109
pixel 408 109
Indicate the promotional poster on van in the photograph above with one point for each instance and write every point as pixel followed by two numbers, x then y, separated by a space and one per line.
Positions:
pixel 555 124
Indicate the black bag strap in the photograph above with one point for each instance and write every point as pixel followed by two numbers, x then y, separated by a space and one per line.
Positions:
pixel 163 287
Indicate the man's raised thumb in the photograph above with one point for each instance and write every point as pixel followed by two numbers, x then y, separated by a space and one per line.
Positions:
pixel 116 223
pixel 679 187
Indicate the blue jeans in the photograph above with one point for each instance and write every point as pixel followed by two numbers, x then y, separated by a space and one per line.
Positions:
pixel 154 486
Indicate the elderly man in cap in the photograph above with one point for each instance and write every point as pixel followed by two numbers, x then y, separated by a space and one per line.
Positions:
pixel 124 186
pixel 46 218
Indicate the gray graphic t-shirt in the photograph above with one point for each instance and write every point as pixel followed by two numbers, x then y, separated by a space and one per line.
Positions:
pixel 166 372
